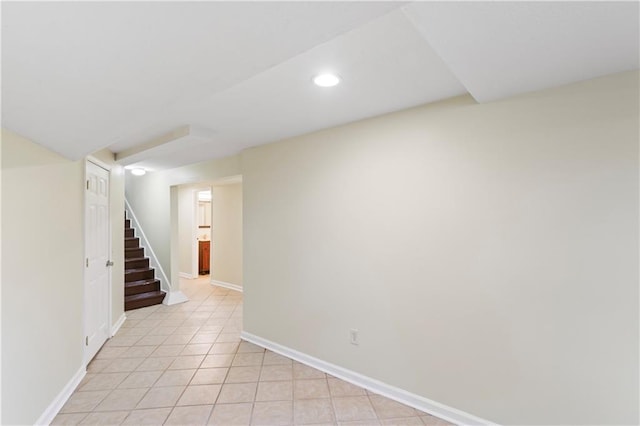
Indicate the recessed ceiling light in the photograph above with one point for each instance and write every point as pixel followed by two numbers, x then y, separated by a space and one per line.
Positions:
pixel 138 172
pixel 326 80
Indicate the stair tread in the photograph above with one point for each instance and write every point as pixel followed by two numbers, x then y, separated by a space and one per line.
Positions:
pixel 141 282
pixel 131 271
pixel 139 276
pixel 136 259
pixel 147 295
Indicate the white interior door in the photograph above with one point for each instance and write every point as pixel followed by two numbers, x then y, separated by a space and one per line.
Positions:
pixel 97 250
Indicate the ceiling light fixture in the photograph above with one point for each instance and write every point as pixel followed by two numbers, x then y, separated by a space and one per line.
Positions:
pixel 138 172
pixel 326 80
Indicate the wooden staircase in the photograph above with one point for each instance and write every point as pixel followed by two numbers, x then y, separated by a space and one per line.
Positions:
pixel 141 288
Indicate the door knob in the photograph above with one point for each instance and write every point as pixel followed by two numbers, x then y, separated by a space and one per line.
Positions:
pixel 109 263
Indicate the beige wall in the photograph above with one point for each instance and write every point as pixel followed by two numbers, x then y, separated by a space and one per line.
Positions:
pixel 42 278
pixel 42 284
pixel 150 199
pixel 488 254
pixel 1 137
pixel 227 234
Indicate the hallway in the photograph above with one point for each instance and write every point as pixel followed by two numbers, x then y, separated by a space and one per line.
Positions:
pixel 185 364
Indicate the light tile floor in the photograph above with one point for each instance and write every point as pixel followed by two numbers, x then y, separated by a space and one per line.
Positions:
pixel 186 365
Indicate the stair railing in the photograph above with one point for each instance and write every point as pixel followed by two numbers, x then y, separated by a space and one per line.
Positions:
pixel 165 284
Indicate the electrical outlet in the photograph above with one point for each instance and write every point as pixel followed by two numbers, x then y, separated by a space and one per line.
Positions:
pixel 353 337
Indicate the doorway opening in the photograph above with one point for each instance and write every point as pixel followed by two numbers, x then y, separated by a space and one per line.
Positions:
pixel 203 199
pixel 209 238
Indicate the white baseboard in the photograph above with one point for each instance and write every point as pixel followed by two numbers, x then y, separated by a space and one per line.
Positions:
pixel 230 286
pixel 115 327
pixel 174 297
pixel 416 401
pixel 52 410
pixel 186 275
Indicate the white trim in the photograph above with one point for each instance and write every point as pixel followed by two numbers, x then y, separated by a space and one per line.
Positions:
pixel 229 180
pixel 165 284
pixel 195 256
pixel 196 229
pixel 230 286
pixel 100 163
pixel 435 408
pixel 52 410
pixel 115 327
pixel 186 275
pixel 174 297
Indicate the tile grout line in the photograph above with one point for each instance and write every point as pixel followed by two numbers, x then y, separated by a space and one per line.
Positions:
pixel 201 320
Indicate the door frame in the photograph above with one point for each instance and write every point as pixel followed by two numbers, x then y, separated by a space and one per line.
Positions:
pixel 195 273
pixel 108 168
pixel 196 228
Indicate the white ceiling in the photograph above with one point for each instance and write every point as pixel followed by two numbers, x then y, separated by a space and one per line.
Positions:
pixel 81 76
pixel 501 49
